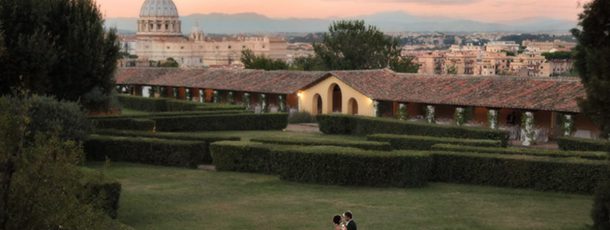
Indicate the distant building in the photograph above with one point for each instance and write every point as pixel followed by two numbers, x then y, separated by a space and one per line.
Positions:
pixel 542 47
pixel 499 46
pixel 160 37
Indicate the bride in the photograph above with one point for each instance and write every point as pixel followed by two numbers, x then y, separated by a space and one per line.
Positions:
pixel 337 221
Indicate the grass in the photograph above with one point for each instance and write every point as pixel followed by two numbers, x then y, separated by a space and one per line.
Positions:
pixel 131 112
pixel 173 198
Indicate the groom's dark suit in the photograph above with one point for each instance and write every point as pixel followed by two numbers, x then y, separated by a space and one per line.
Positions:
pixel 351 225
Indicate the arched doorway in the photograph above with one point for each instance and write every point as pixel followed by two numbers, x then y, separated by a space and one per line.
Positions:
pixel 352 106
pixel 317 104
pixel 335 99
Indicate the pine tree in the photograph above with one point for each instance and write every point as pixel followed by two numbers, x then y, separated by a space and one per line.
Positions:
pixel 58 47
pixel 592 60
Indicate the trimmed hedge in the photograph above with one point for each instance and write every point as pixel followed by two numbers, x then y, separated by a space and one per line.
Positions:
pixel 325 164
pixel 276 121
pixel 147 150
pixel 426 143
pixel 168 104
pixel 522 151
pixel 360 125
pixel 140 124
pixel 242 156
pixel 102 192
pixel 349 166
pixel 171 114
pixel 517 171
pixel 207 137
pixel 367 145
pixel 582 144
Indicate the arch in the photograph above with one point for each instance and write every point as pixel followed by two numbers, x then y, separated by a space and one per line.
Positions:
pixel 335 99
pixel 317 104
pixel 352 106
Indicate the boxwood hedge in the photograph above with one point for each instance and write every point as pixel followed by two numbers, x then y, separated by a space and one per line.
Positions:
pixel 426 143
pixel 304 141
pixel 275 121
pixel 169 104
pixel 141 124
pixel 101 192
pixel 582 144
pixel 360 125
pixel 519 171
pixel 522 151
pixel 146 150
pixel 325 164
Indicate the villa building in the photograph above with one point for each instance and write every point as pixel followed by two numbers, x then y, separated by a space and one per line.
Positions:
pixel 380 93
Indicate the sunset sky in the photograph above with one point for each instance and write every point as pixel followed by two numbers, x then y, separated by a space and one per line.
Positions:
pixel 482 10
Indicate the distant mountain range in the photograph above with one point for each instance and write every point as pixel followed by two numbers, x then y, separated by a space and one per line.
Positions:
pixel 386 21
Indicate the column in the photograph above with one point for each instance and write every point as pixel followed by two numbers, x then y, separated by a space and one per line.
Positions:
pixel 430 114
pixel 246 101
pixel 216 97
pixel 263 103
pixel 175 92
pixel 403 113
pixel 458 116
pixel 376 109
pixel 492 118
pixel 568 124
pixel 528 132
pixel 188 96
pixel 282 101
pixel 201 96
pixel 230 98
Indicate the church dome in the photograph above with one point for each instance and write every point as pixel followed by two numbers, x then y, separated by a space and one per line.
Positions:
pixel 159 8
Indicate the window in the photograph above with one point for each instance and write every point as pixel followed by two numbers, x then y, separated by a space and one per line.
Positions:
pixel 229 47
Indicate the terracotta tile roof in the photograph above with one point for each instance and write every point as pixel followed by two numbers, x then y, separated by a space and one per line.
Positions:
pixel 498 91
pixel 485 91
pixel 279 82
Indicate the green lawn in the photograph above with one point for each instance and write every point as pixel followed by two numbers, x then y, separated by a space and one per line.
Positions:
pixel 174 198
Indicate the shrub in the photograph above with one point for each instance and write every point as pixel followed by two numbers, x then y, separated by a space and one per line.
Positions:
pixel 207 137
pixel 359 125
pixel 582 144
pixel 101 192
pixel 242 156
pixel 169 105
pixel 521 151
pixel 147 150
pixel 325 164
pixel 172 114
pixel 426 143
pixel 49 115
pixel 367 145
pixel 276 121
pixel 601 206
pixel 540 173
pixel 349 166
pixel 300 118
pixel 125 124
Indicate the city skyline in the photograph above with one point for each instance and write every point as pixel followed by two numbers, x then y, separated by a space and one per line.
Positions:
pixel 481 10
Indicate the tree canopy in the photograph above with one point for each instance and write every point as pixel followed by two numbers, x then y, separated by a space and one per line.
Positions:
pixel 592 60
pixel 253 61
pixel 352 45
pixel 57 47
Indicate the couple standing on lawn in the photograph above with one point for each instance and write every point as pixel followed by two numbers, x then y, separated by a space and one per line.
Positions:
pixel 345 223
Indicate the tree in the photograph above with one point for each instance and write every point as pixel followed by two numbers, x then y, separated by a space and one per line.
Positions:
pixel 253 61
pixel 592 60
pixel 58 47
pixel 41 182
pixel 559 55
pixel 170 63
pixel 309 63
pixel 351 45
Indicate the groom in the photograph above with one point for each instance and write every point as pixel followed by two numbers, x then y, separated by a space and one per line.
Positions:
pixel 350 224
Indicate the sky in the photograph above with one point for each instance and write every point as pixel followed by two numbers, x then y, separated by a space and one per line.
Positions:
pixel 481 10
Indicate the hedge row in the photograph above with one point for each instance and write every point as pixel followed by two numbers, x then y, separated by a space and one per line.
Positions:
pixel 171 114
pixel 277 121
pixel 147 150
pixel 169 104
pixel 540 173
pixel 102 192
pixel 366 145
pixel 325 164
pixel 360 125
pixel 582 144
pixel 522 151
pixel 141 124
pixel 426 143
pixel 207 137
